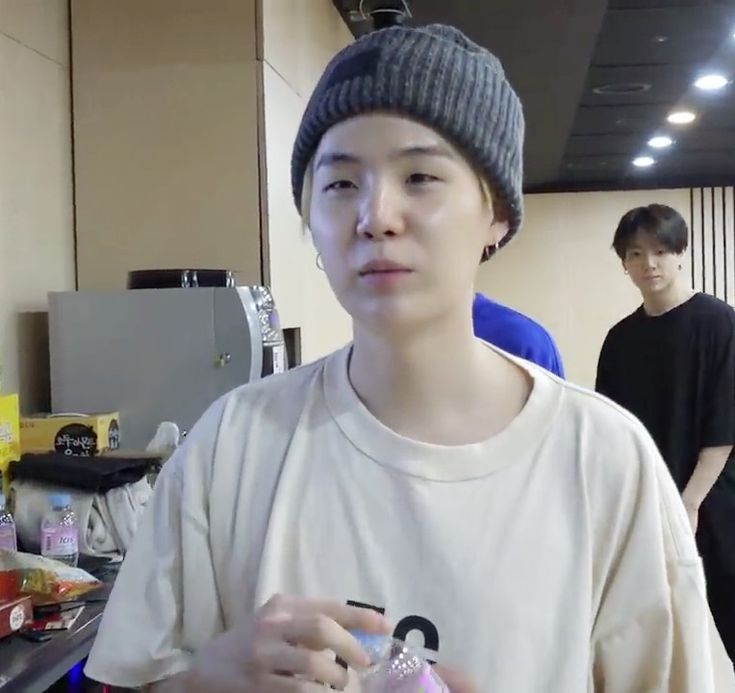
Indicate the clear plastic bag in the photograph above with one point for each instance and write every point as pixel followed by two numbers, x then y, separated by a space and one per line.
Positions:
pixel 396 668
pixel 42 579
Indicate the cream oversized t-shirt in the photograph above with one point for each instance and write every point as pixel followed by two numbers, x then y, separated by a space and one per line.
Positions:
pixel 555 556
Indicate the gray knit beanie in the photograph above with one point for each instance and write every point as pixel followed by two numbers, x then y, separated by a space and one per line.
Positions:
pixel 437 76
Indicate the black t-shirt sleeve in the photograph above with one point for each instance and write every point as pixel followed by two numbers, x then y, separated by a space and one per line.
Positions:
pixel 718 422
pixel 603 381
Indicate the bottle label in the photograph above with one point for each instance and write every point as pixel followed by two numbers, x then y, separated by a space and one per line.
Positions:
pixel 7 538
pixel 59 541
pixel 17 618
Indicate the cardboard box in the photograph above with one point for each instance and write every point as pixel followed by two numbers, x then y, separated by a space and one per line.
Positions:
pixel 14 615
pixel 9 432
pixel 81 435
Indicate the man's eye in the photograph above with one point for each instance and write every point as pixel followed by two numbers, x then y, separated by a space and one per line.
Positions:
pixel 339 185
pixel 420 178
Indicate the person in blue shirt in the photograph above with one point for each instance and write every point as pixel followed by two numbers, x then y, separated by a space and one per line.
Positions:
pixel 515 333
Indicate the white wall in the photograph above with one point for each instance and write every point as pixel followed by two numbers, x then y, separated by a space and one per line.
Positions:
pixel 36 218
pixel 562 271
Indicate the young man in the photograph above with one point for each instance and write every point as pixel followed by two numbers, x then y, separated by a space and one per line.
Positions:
pixel 515 333
pixel 672 364
pixel 418 481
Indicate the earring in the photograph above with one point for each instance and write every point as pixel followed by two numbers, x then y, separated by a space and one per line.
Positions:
pixel 488 251
pixel 318 262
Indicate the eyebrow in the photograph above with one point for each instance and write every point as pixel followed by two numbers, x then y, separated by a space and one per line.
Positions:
pixel 437 150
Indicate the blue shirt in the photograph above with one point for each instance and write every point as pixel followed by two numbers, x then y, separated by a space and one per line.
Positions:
pixel 515 333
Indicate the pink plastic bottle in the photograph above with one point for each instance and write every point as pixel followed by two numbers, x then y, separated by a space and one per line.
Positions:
pixel 396 668
pixel 8 540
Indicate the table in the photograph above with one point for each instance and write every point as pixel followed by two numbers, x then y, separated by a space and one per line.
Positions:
pixel 32 667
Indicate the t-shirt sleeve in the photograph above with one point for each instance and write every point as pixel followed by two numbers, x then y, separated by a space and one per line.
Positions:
pixel 536 345
pixel 651 632
pixel 718 420
pixel 169 565
pixel 603 379
pixel 556 364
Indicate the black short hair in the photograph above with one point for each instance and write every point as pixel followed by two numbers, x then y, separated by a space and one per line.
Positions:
pixel 664 223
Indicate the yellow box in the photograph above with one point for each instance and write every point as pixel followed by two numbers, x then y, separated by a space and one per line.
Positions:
pixel 9 432
pixel 80 435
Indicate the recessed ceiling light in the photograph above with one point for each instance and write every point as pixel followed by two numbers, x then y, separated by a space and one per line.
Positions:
pixel 644 161
pixel 711 82
pixel 621 88
pixel 681 117
pixel 660 142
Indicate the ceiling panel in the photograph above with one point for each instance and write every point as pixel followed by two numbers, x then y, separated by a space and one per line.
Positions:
pixel 660 85
pixel 660 35
pixel 557 53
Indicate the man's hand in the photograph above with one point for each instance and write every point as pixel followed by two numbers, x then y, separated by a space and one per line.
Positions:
pixel 289 645
pixel 710 463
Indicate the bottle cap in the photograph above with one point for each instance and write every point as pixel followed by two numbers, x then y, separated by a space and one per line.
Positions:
pixel 377 647
pixel 59 500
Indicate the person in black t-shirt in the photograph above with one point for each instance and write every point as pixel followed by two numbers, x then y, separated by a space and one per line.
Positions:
pixel 671 363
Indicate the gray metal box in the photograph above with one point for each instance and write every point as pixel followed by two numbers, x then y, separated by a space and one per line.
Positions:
pixel 157 354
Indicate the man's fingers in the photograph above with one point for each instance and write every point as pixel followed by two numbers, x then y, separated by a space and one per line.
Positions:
pixel 357 618
pixel 288 660
pixel 283 684
pixel 320 632
pixel 349 617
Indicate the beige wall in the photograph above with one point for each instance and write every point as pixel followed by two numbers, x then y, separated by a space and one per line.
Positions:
pixel 36 218
pixel 299 38
pixel 184 117
pixel 166 137
pixel 561 270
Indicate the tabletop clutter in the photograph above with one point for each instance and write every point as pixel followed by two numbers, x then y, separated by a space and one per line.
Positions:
pixel 67 492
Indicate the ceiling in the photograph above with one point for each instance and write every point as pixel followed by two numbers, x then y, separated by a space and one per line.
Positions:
pixel 558 52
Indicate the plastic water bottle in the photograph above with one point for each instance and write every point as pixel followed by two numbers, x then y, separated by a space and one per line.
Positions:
pixel 8 540
pixel 60 531
pixel 396 668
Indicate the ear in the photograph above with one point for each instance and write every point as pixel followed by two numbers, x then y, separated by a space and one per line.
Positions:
pixel 497 232
pixel 497 216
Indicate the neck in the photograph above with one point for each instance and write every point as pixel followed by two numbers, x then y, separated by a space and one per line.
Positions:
pixel 439 385
pixel 659 302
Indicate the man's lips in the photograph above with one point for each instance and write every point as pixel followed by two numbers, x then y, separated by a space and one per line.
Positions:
pixel 383 267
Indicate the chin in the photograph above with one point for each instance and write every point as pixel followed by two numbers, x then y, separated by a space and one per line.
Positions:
pixel 394 314
pixel 655 287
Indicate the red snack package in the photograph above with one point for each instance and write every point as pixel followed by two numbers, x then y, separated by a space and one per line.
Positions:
pixel 44 580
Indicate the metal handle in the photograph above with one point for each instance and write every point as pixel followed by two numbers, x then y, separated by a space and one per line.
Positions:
pixel 223 360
